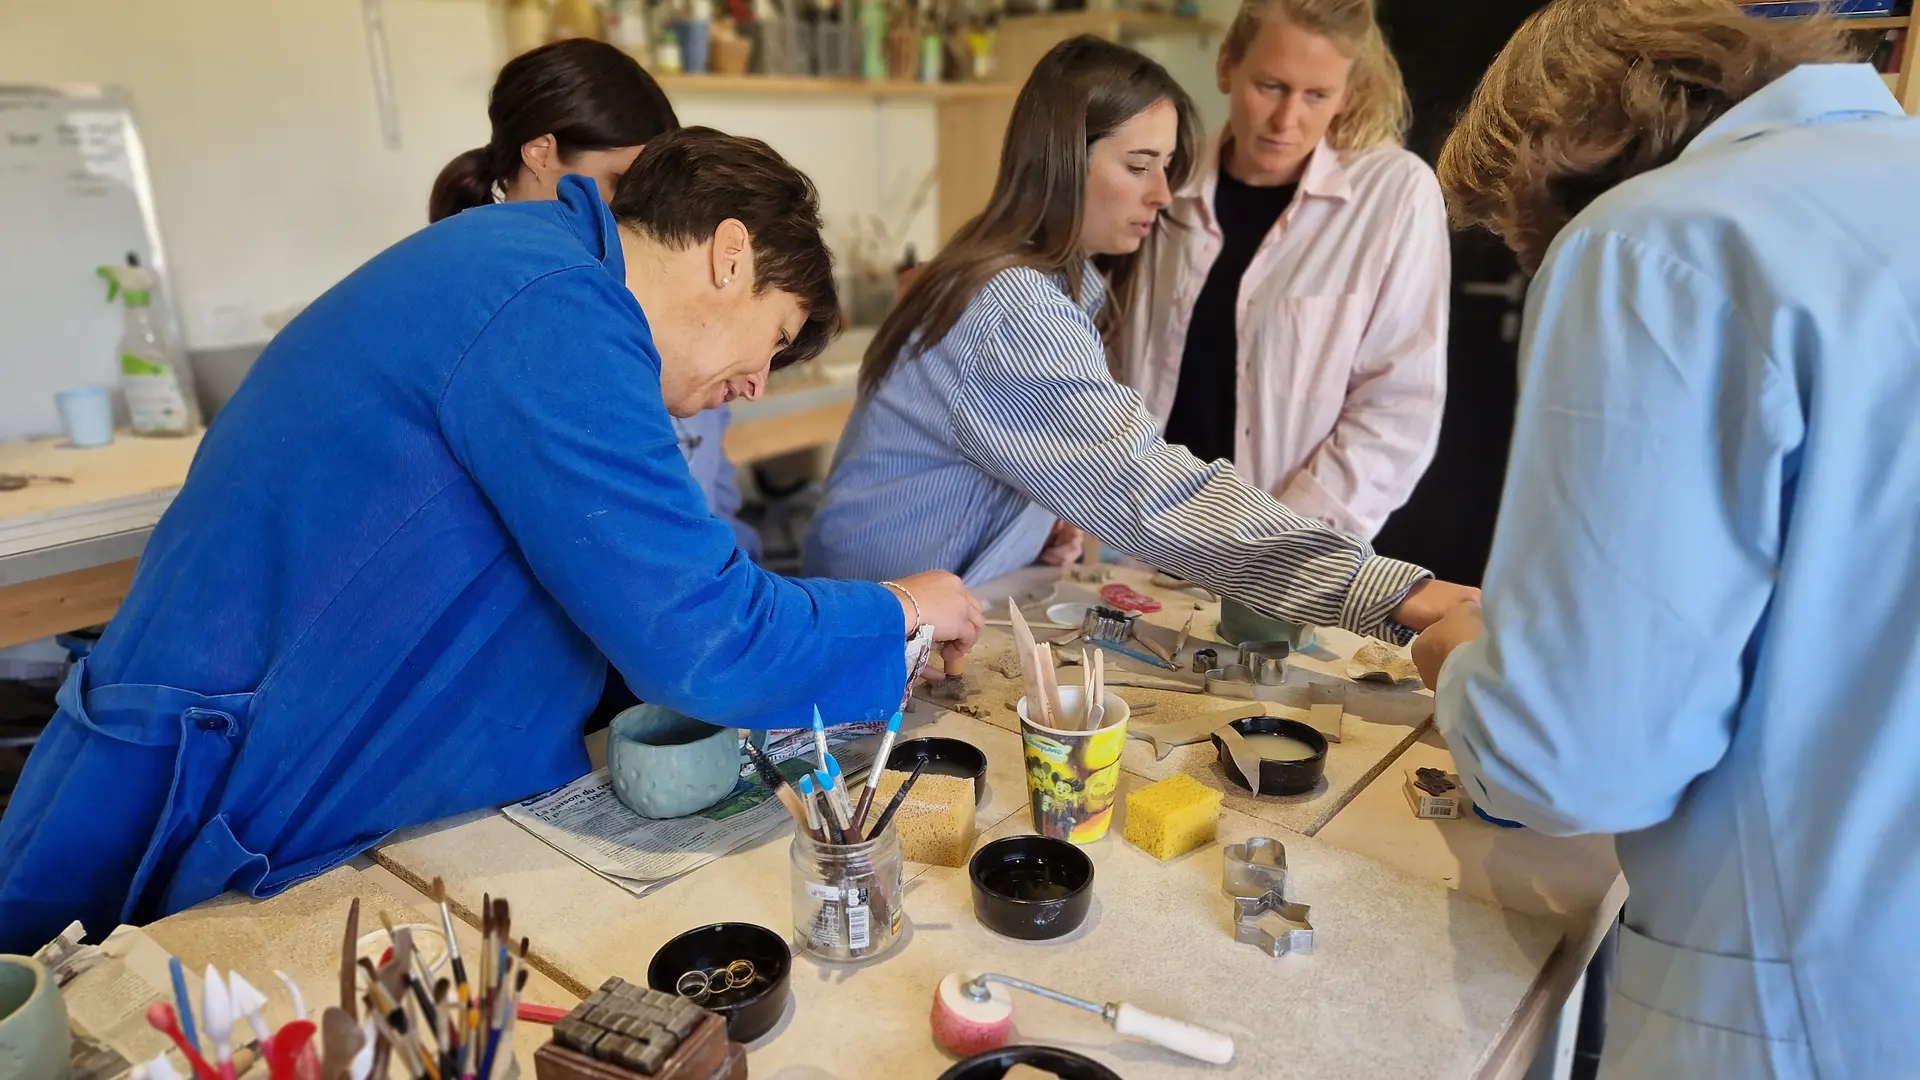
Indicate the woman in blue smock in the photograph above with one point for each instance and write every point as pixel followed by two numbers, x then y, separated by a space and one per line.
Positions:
pixel 446 495
pixel 1699 627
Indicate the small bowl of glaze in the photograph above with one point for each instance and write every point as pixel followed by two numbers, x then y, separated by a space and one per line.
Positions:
pixel 1031 887
pixel 1282 773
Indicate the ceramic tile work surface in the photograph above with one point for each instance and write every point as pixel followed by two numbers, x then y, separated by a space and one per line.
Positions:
pixel 1381 721
pixel 1407 978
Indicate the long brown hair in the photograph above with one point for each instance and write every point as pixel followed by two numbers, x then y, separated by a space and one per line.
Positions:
pixel 1376 112
pixel 1590 93
pixel 1079 93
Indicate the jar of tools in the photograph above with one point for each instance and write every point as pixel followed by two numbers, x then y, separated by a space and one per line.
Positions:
pixel 848 899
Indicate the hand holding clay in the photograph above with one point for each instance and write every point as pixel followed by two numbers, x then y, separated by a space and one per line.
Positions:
pixel 1437 642
pixel 1429 600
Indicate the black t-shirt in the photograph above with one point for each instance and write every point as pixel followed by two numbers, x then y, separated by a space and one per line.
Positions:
pixel 1203 412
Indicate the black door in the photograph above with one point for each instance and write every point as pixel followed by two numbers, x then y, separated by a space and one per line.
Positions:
pixel 1447 525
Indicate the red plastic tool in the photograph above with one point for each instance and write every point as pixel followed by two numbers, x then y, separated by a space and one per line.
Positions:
pixel 164 1020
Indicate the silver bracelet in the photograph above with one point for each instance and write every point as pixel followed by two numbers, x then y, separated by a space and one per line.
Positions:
pixel 919 620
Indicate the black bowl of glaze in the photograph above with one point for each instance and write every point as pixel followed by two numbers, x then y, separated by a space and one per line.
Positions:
pixel 1031 887
pixel 993 1064
pixel 1279 777
pixel 944 757
pixel 751 1010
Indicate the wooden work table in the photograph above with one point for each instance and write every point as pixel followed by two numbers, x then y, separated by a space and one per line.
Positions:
pixel 1441 949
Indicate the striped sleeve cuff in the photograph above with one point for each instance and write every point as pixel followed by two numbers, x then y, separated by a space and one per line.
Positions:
pixel 1378 589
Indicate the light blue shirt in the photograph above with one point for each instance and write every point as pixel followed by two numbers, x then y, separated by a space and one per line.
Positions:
pixel 702 438
pixel 971 449
pixel 1701 604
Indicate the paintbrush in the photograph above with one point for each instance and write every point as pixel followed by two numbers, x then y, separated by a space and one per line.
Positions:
pixel 182 1004
pixel 391 1018
pixel 349 996
pixel 820 737
pixel 814 827
pixel 414 974
pixel 893 804
pixel 453 946
pixel 873 773
pixel 770 775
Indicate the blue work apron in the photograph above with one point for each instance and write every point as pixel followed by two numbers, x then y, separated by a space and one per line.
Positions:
pixel 119 806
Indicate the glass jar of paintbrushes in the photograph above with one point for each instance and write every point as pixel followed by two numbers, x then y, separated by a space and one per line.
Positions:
pixel 847 898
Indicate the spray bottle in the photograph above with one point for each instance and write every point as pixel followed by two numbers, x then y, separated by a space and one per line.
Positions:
pixel 153 375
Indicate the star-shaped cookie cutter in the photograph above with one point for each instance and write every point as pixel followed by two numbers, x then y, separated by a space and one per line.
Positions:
pixel 1255 875
pixel 1272 924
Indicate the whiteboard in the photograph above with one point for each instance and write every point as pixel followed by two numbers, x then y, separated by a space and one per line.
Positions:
pixel 74 195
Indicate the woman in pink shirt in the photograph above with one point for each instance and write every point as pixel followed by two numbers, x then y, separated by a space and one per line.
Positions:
pixel 1293 317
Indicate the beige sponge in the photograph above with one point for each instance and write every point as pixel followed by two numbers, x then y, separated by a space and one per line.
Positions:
pixel 1172 817
pixel 936 821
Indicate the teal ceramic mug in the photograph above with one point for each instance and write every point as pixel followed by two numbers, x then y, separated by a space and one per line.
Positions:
pixel 666 764
pixel 1239 623
pixel 35 1041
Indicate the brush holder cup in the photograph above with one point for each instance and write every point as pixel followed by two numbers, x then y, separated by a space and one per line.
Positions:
pixel 848 899
pixel 666 764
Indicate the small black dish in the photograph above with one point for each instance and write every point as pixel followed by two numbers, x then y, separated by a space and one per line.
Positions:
pixel 751 1010
pixel 993 1064
pixel 1279 777
pixel 1031 887
pixel 945 757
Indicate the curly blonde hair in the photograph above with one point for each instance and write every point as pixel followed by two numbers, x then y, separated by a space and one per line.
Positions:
pixel 1376 112
pixel 1590 93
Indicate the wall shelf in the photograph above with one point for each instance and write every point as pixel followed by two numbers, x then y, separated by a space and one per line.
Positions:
pixel 1878 22
pixel 820 86
pixel 1129 23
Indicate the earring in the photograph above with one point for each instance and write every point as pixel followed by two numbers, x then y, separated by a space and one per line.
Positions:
pixel 725 281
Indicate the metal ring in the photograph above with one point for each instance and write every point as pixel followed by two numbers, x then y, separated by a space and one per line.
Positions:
pixel 716 980
pixel 692 984
pixel 739 973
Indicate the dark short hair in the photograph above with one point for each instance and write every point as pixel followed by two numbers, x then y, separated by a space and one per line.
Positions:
pixel 587 94
pixel 689 181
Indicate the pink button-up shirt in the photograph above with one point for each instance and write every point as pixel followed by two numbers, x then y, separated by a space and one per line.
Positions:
pixel 1342 326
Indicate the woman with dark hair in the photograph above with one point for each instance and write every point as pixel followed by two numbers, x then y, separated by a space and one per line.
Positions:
pixel 1699 631
pixel 586 108
pixel 989 426
pixel 359 618
pixel 577 106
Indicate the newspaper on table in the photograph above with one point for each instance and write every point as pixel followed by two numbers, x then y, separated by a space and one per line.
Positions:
pixel 107 988
pixel 587 823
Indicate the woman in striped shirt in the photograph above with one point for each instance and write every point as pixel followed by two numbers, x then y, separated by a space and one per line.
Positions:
pixel 989 425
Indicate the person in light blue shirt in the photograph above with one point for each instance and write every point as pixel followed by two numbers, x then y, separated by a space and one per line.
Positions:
pixel 702 443
pixel 1699 629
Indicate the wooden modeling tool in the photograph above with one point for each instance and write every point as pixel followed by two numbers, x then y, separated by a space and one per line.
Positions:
pixel 1023 647
pixel 1245 757
pixel 1049 687
pixel 1097 703
pixel 349 996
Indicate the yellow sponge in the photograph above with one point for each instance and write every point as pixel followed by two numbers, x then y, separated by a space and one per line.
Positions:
pixel 936 821
pixel 1172 817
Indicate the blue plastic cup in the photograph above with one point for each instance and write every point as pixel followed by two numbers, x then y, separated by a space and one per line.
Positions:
pixel 695 39
pixel 87 414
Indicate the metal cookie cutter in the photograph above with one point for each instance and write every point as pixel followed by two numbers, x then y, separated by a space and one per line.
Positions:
pixel 1109 628
pixel 1277 927
pixel 1267 660
pixel 1255 868
pixel 1237 681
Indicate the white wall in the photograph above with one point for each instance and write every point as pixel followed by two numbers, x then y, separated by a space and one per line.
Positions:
pixel 263 134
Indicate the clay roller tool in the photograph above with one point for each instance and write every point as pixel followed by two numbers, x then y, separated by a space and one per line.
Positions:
pixel 972 1014
pixel 873 773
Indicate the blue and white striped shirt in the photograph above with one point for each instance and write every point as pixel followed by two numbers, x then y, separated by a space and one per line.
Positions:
pixel 970 450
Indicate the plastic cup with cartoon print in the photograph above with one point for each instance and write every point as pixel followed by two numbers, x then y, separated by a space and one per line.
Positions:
pixel 1072 776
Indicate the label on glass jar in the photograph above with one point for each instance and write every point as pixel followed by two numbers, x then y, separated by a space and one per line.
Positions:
pixel 858 933
pixel 822 892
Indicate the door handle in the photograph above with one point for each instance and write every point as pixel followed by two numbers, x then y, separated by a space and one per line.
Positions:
pixel 1513 290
